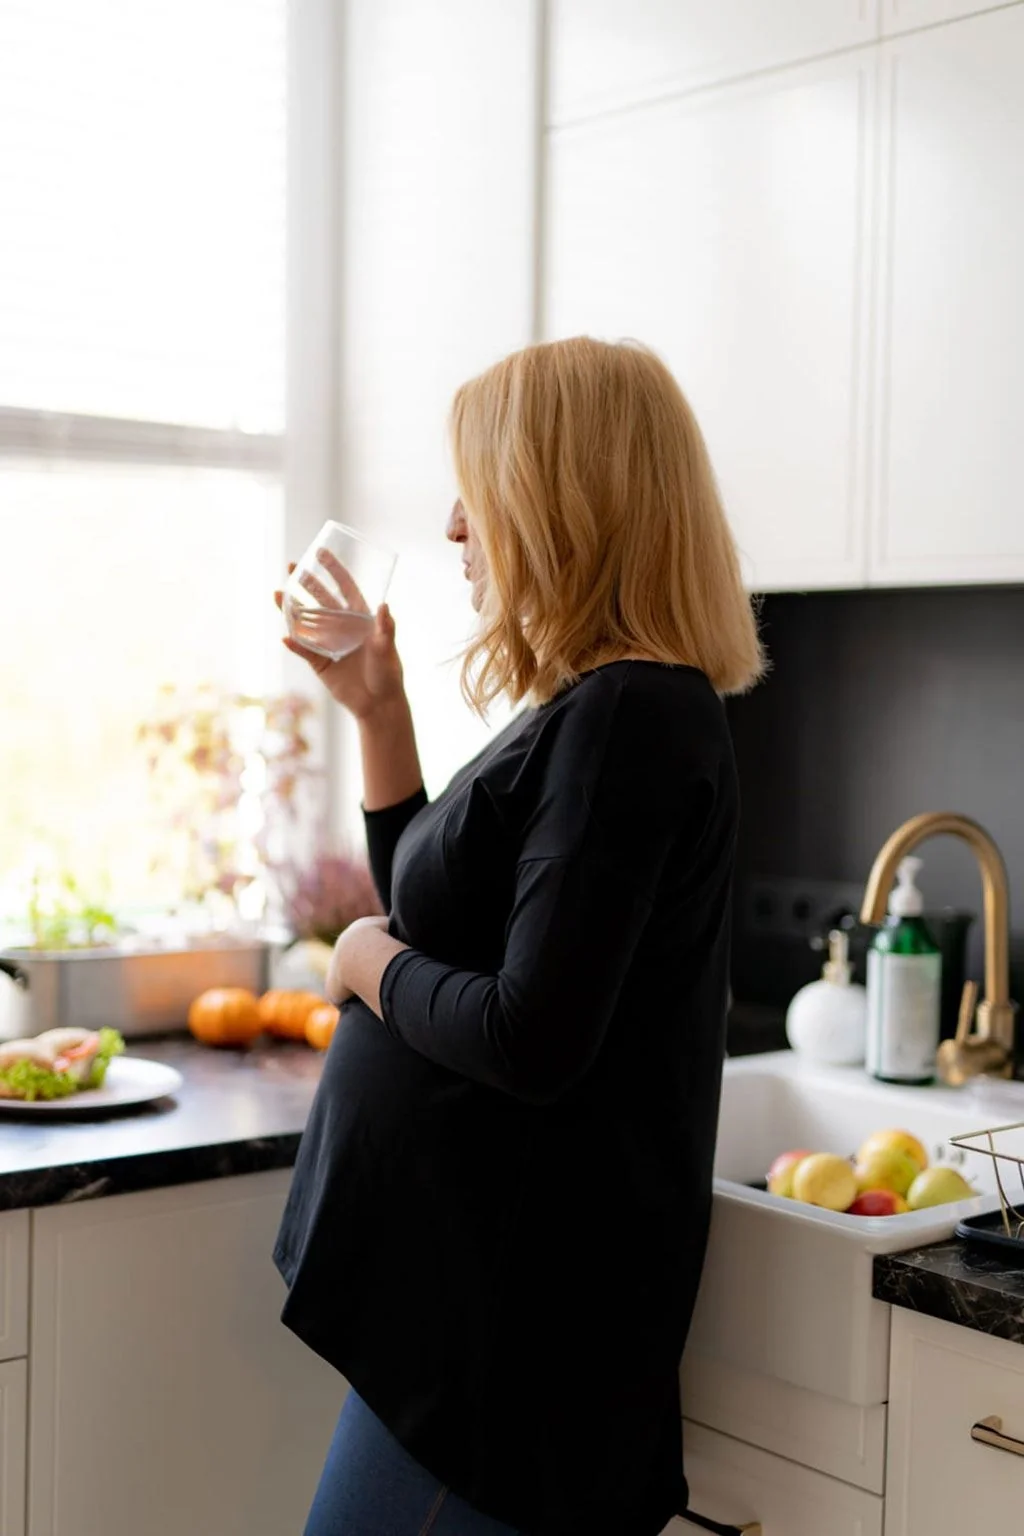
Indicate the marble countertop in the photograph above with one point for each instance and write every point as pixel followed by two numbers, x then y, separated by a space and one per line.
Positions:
pixel 237 1112
pixel 958 1284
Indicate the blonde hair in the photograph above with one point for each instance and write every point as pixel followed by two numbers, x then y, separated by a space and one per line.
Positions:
pixel 584 473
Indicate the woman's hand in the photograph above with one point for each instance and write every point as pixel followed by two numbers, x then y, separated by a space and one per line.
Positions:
pixel 367 680
pixel 360 957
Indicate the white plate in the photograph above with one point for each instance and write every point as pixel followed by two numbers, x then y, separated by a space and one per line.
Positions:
pixel 129 1080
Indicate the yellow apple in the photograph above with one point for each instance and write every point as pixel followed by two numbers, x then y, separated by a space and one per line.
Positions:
pixel 886 1168
pixel 901 1139
pixel 826 1180
pixel 938 1186
pixel 780 1174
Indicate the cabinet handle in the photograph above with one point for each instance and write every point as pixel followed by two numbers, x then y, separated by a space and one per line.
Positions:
pixel 990 1432
pixel 751 1528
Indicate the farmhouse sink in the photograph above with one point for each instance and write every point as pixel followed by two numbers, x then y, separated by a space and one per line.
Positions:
pixel 787 1287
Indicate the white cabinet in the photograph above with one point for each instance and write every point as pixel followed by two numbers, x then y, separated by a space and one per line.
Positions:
pixel 728 232
pixel 166 1397
pixel 827 1434
pixel 13 1284
pixel 609 53
pixel 737 1485
pixel 906 15
pixel 12 1448
pixel 941 1481
pixel 950 389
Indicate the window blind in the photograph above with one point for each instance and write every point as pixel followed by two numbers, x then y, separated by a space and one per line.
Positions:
pixel 142 210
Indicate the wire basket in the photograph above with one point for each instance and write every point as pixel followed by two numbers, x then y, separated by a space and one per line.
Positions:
pixel 1004 1144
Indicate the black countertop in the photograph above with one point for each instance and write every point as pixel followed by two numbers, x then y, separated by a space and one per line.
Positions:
pixel 958 1284
pixel 237 1112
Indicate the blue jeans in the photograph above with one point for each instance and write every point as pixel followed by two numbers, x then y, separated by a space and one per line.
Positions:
pixel 371 1486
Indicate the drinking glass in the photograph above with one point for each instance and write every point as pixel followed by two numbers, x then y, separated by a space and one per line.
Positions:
pixel 332 596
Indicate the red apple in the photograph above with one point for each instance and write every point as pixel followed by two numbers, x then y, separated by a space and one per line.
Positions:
pixel 877 1202
pixel 780 1174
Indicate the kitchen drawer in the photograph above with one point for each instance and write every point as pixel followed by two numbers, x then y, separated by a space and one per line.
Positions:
pixel 840 1439
pixel 945 1380
pixel 13 1284
pixel 739 1485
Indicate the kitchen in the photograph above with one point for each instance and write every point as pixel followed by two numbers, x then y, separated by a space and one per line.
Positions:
pixel 815 219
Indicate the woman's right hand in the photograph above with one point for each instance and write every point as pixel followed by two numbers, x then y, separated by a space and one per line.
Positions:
pixel 365 681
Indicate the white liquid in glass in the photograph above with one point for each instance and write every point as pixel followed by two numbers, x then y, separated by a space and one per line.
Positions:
pixel 331 632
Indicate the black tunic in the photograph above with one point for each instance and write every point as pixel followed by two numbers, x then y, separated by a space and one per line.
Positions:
pixel 500 1205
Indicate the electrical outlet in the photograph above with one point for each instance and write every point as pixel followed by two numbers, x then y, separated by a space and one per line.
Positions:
pixel 787 907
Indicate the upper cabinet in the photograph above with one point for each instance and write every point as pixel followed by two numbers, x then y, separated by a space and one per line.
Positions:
pixel 728 232
pixel 829 255
pixel 908 15
pixel 950 380
pixel 609 53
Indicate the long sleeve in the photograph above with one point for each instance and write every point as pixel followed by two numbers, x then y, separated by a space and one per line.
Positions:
pixel 383 829
pixel 609 811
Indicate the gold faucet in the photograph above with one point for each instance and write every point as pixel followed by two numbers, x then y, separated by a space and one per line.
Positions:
pixel 989 1048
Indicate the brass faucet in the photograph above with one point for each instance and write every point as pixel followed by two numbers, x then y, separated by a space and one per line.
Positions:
pixel 989 1047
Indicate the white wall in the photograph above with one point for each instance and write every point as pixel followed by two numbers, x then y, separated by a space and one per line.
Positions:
pixel 440 133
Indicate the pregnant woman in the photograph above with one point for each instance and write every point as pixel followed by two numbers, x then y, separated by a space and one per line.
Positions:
pixel 500 1206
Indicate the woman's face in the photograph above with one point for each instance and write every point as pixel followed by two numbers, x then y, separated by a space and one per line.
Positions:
pixel 460 531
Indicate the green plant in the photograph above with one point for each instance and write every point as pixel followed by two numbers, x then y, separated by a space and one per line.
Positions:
pixel 61 916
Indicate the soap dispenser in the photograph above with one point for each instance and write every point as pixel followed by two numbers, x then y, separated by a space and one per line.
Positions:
pixel 904 988
pixel 826 1020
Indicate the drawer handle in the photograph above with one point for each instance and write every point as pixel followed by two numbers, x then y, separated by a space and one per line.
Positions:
pixel 752 1528
pixel 990 1432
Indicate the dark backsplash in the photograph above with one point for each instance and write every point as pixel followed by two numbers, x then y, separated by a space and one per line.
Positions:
pixel 880 705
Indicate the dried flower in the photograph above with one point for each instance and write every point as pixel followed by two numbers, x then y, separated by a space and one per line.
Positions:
pixel 321 898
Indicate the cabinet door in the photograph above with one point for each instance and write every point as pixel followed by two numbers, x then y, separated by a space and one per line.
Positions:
pixel 941 1481
pixel 13 1284
pixel 12 1448
pixel 727 232
pixel 607 53
pixel 951 374
pixel 739 1486
pixel 166 1397
pixel 907 15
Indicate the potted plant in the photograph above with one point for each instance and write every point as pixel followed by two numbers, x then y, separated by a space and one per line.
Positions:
pixel 319 898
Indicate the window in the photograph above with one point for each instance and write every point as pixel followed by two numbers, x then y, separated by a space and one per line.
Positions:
pixel 142 368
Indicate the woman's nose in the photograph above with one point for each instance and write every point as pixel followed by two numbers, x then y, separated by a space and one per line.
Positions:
pixel 455 529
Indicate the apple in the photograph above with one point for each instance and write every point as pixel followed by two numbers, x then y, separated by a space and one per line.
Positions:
pixel 826 1180
pixel 780 1174
pixel 899 1139
pixel 938 1186
pixel 877 1202
pixel 886 1168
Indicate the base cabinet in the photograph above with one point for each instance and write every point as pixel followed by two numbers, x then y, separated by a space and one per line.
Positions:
pixel 12 1448
pixel 166 1397
pixel 738 1485
pixel 943 1480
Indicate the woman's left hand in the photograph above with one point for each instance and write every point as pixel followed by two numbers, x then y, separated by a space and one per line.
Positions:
pixel 352 953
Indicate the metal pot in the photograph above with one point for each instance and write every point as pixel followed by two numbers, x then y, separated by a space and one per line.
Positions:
pixel 139 992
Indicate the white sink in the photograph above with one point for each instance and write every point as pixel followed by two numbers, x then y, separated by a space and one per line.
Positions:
pixel 787 1287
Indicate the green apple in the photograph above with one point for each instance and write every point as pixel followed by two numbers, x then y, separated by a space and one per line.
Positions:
pixel 938 1186
pixel 886 1167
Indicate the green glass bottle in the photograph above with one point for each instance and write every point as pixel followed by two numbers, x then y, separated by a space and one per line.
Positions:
pixel 904 988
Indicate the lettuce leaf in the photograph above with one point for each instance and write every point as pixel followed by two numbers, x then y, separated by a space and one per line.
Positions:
pixel 111 1045
pixel 30 1082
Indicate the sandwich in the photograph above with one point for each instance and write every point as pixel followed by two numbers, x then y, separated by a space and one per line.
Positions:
pixel 57 1063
